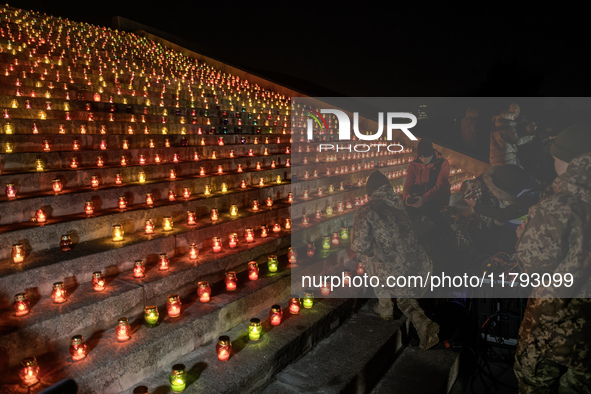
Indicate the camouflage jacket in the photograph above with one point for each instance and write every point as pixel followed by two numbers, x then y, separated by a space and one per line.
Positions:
pixel 557 239
pixel 385 241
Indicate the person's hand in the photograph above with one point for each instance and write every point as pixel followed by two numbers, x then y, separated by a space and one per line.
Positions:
pixel 470 202
pixel 418 203
pixel 519 230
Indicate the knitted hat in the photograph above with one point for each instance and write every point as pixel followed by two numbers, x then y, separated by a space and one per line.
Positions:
pixel 572 142
pixel 511 178
pixel 425 148
pixel 375 181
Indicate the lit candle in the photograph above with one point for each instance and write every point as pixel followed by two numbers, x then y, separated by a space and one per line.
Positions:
pixel 88 208
pixel 294 306
pixel 186 192
pixel 276 227
pixel 142 160
pixel 193 252
pixel 99 161
pixel 278 179
pixel 94 181
pixel 29 371
pixel 240 169
pixel 202 171
pixel 57 185
pixel 117 233
pixel 308 299
pixel 233 240
pixel 58 294
pixel 344 233
pixel 360 268
pixel 346 278
pixel 223 348
pixel 173 306
pixel 213 155
pixel 335 239
pixel 231 281
pixel 255 205
pixel 10 191
pixel 249 235
pixel 46 146
pixel 178 378
pixel 98 281
pixel 292 256
pixel 21 304
pixel 207 190
pixel 264 231
pixel 39 166
pixel 258 165
pixel 40 216
pixel 340 207
pixel 151 315
pixel 254 329
pixel 167 223
pixel 122 203
pixel 217 244
pixel 306 194
pixel 65 243
pixel 243 184
pixel 125 144
pixel 141 177
pixel 175 158
pixel 196 156
pixel 214 214
pixel 123 330
pixel 78 348
pixel 253 270
pixel 220 169
pixel 233 210
pixel 203 291
pixel 18 253
pixel 288 224
pixel 149 226
pixel 149 199
pixel 171 195
pixel 272 263
pixel 275 315
pixel 305 220
pixel 163 262
pixel 318 214
pixel 325 289
pixel 269 202
pixel 139 269
pixel 261 182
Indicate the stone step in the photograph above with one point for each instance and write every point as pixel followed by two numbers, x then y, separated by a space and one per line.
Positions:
pixel 87 311
pixel 421 372
pixel 350 360
pixel 252 364
pixel 113 366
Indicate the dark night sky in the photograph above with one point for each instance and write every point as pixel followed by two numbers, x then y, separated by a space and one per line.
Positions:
pixel 365 49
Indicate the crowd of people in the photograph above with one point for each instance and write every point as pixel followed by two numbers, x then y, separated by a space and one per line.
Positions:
pixel 541 219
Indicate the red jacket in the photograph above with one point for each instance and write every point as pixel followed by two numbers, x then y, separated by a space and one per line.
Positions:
pixel 430 180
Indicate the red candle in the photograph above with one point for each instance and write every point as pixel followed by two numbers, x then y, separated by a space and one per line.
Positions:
pixel 163 262
pixel 186 192
pixel 292 256
pixel 122 202
pixel 18 253
pixel 123 161
pixel 123 330
pixel 191 221
pixel 40 216
pixel 202 171
pixel 253 270
pixel 88 208
pixel 311 250
pixel 171 195
pixel 360 268
pixel 172 174
pixel 276 228
pixel 10 191
pixel 173 306
pixel 240 169
pixel 223 348
pixel 78 348
pixel 94 181
pixel 21 304
pixel 216 244
pixel 193 252
pixel 275 315
pixel 149 199
pixel 318 214
pixel 249 235
pixel 203 291
pixel 294 306
pixel 305 220
pixel 231 281
pixel 255 205
pixel 46 146
pixel 214 214
pixel 99 161
pixel 258 165
pixel 196 156
pixel 57 185
pixel 325 289
pixel 149 226
pixel 175 158
pixel 335 239
pixel 142 160
pixel 269 202
pixel 29 371
pixel 264 232
pixel 288 224
pixel 74 162
pixel 98 281
pixel 220 169
pixel 139 269
pixel 233 240
pixel 243 184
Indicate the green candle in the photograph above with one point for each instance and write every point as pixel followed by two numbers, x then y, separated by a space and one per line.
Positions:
pixel 178 378
pixel 151 315
pixel 326 242
pixel 272 263
pixel 308 300
pixel 254 329
pixel 344 233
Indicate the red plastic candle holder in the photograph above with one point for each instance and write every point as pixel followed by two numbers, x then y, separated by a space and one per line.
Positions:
pixel 275 315
pixel 223 348
pixel 173 305
pixel 203 291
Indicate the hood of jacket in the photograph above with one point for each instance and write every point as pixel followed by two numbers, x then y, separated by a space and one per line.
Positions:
pixel 577 179
pixel 385 194
pixel 501 122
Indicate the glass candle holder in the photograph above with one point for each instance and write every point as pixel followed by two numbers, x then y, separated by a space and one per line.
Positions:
pixel 186 192
pixel 29 371
pixel 216 244
pixel 223 348
pixel 249 235
pixel 98 281
pixel 233 210
pixel 149 227
pixel 344 233
pixel 239 169
pixel 306 194
pixel 18 253
pixel 220 169
pixel 269 202
pixel 207 190
pixel 264 231
pixel 65 243
pixel 149 199
pixel 172 174
pixel 122 203
pixel 78 348
pixel 276 228
pixel 58 294
pixel 39 165
pixel 311 250
pixel 224 187
pixel 151 315
pixel 57 185
pixel 288 224
pixel 243 184
pixel 231 281
pixel 326 241
pixel 173 305
pixel 141 177
pixel 21 305
pixel 233 240
pixel 139 269
pixel 346 278
pixel 308 300
pixel 203 291
pixel 292 256
pixel 157 159
pixel 123 330
pixel 171 195
pixel 275 315
pixel 258 165
pixel 253 270
pixel 289 198
pixel 178 378
pixel 40 216
pixel 99 161
pixel 318 214
pixel 118 179
pixel 94 181
pixel 255 205
pixel 261 182
pixel 142 160
pixel 214 214
pixel 335 240
pixel 272 263
pixel 255 329
pixel 360 268
pixel 10 191
pixel 163 262
pixel 175 158
pixel 193 252
pixel 329 210
pixel 117 233
pixel 88 208
pixel 167 223
pixel 294 306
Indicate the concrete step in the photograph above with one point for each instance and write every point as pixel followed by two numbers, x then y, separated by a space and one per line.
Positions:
pixel 350 360
pixel 112 366
pixel 421 372
pixel 252 364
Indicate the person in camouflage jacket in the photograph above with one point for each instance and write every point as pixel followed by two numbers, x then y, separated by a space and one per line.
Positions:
pixel 386 244
pixel 554 349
